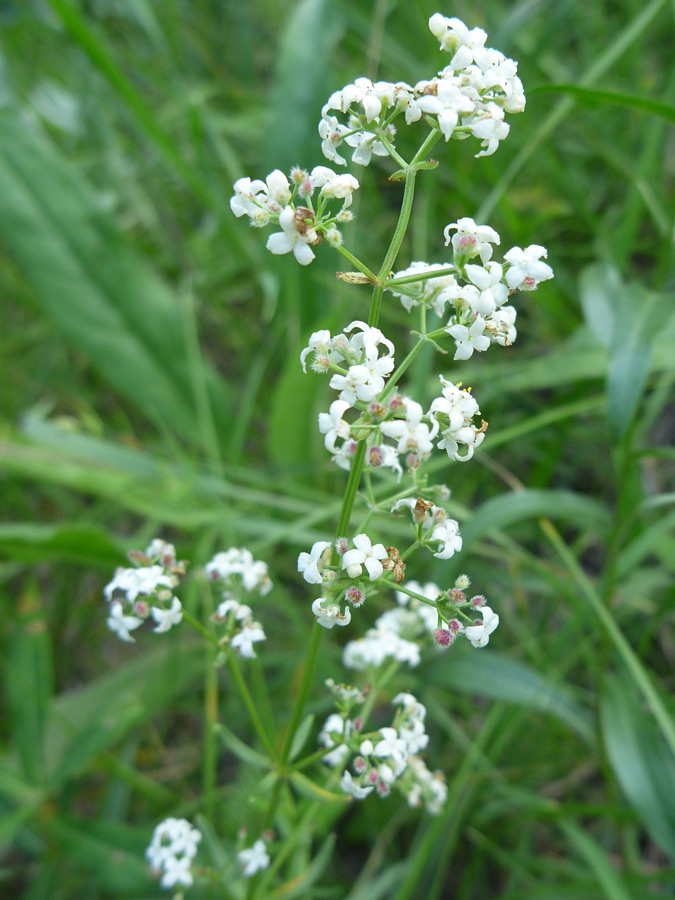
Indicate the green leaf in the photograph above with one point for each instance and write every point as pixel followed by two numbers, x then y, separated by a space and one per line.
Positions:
pixel 501 512
pixel 29 684
pixel 625 318
pixel 643 765
pixel 240 749
pixel 94 285
pixel 594 97
pixel 300 884
pixel 301 736
pixel 111 853
pixel 83 544
pixel 301 82
pixel 489 674
pixel 613 886
pixel 85 721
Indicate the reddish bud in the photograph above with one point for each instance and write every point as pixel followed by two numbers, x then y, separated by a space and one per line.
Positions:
pixel 442 637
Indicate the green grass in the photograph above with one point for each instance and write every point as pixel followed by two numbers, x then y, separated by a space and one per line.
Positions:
pixel 149 358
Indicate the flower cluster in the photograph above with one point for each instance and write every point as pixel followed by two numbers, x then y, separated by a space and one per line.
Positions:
pixel 172 850
pixel 238 575
pixel 475 292
pixel 377 417
pixel 145 591
pixel 386 757
pixel 347 580
pixel 359 373
pixel 425 615
pixel 304 223
pixel 432 527
pixel 468 98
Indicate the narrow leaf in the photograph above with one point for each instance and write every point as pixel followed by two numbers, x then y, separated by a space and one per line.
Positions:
pixel 489 674
pixel 93 284
pixel 643 765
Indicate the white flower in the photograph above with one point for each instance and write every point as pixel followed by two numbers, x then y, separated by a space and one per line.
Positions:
pixel 240 562
pixel 321 344
pixel 332 134
pixel 244 640
pixel 330 615
pixel 390 746
pixel 491 128
pixel 253 860
pixel 161 550
pixel 456 38
pixel 479 634
pixel 349 786
pixel 166 618
pixel 488 280
pixel 502 326
pixel 526 268
pixel 447 533
pixel 470 239
pixel 468 339
pixel 308 563
pixel 459 406
pixel 364 554
pixel 333 425
pixel 413 435
pixel 121 624
pixel 172 849
pixel 289 238
pixel 132 582
pixel 240 610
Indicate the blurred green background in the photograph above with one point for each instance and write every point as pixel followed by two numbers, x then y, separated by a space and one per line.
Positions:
pixel 151 385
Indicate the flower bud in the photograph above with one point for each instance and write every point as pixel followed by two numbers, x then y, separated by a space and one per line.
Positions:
pixel 375 457
pixel 354 595
pixel 442 637
pixel 333 237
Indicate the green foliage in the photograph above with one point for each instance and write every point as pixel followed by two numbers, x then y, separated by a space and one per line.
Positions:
pixel 149 357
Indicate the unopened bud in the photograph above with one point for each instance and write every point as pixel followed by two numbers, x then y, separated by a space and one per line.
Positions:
pixel 354 595
pixel 375 457
pixel 442 637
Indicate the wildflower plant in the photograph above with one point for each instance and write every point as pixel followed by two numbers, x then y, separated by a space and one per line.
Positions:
pixel 372 427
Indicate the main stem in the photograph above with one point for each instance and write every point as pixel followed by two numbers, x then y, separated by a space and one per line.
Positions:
pixel 359 457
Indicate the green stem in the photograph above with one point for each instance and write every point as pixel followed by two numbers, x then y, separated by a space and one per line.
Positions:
pixel 631 661
pixel 210 748
pixel 197 625
pixel 401 368
pixel 351 489
pixel 310 665
pixel 423 276
pixel 371 276
pixel 256 721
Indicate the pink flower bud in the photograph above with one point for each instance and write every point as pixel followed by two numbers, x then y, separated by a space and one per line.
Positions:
pixel 375 457
pixel 355 596
pixel 342 545
pixel 360 765
pixel 478 601
pixel 383 789
pixel 442 637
